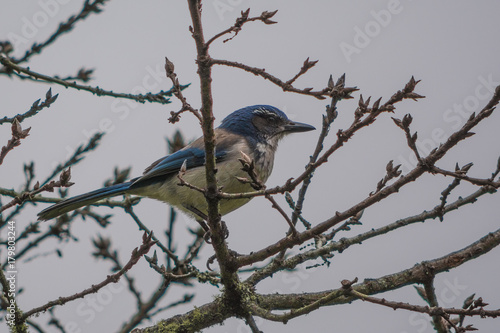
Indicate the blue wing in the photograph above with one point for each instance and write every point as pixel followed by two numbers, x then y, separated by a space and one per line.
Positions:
pixel 171 164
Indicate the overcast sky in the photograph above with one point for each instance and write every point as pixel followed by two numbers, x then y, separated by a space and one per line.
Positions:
pixel 452 46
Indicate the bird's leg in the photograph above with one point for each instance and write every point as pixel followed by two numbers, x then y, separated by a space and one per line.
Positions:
pixel 208 233
pixel 225 230
pixel 202 217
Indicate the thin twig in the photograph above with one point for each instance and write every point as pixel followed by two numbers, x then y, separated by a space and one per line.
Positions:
pixel 34 109
pixel 250 321
pixel 248 165
pixel 349 292
pixel 432 311
pixel 149 97
pixel 320 94
pixel 137 253
pixel 417 172
pixel 330 116
pixel 265 17
pixel 77 156
pixel 49 187
pixel 64 27
pixel 143 312
pixel 177 91
pixel 142 226
pixel 431 298
pixel 463 176
pixel 104 251
pixel 345 243
pixel 17 135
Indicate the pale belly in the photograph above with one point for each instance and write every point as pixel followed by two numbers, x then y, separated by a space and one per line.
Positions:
pixel 185 198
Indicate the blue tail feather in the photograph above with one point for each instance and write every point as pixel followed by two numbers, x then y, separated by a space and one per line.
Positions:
pixel 82 200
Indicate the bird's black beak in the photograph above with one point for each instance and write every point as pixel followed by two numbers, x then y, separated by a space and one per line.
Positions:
pixel 293 127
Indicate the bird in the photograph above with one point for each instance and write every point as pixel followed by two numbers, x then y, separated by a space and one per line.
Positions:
pixel 253 130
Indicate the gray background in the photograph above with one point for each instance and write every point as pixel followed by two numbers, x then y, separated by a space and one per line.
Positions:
pixel 452 46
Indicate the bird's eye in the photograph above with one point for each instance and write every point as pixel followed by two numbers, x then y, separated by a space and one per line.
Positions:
pixel 263 123
pixel 271 118
pixel 266 118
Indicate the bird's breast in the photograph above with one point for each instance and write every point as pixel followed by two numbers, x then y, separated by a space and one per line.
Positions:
pixel 264 160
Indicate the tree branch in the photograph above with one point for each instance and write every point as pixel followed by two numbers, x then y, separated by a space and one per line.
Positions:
pixel 149 97
pixel 137 253
pixel 226 260
pixel 344 243
pixel 301 304
pixel 34 109
pixel 64 27
pixel 418 171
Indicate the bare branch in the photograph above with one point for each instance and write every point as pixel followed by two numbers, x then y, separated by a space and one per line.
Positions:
pixel 343 136
pixel 392 172
pixel 48 187
pixel 320 94
pixel 344 243
pixel 35 108
pixel 419 273
pixel 17 135
pixel 141 225
pixel 431 298
pixel 177 91
pixel 460 175
pixel 432 311
pixel 64 27
pixel 265 17
pixel 159 97
pixel 224 257
pixel 248 165
pixel 137 253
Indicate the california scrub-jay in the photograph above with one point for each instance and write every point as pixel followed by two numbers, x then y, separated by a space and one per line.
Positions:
pixel 253 130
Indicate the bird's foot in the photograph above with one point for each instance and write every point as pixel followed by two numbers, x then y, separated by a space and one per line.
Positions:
pixel 208 233
pixel 225 230
pixel 212 259
pixel 207 237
